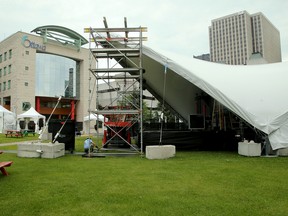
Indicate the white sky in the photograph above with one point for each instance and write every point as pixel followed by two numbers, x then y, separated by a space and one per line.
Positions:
pixel 179 27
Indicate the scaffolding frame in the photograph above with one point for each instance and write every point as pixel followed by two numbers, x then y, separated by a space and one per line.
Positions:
pixel 118 44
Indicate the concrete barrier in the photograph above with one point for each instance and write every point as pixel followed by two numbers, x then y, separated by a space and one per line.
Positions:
pixel 160 151
pixel 43 150
pixel 282 152
pixel 249 148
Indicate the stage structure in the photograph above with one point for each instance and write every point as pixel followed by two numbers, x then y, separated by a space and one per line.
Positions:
pixel 124 113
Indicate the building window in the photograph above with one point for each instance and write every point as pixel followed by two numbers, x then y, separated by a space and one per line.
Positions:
pixel 5 56
pixel 26 68
pixel 9 84
pixel 0 87
pixel 10 53
pixel 0 72
pixel 26 106
pixel 26 83
pixel 4 86
pixel 4 71
pixel 0 58
pixel 27 52
pixel 9 69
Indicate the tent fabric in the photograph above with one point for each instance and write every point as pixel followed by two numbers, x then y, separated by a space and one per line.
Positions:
pixel 93 116
pixel 3 109
pixel 256 93
pixel 7 119
pixel 32 114
pixel 88 125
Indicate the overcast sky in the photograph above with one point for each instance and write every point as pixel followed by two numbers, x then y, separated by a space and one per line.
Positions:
pixel 179 27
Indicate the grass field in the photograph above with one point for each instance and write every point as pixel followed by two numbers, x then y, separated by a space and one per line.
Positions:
pixel 191 183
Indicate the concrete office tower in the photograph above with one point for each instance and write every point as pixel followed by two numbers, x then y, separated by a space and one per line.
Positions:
pixel 235 38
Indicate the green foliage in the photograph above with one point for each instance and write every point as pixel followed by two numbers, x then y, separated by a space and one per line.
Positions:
pixel 192 183
pixel 132 100
pixel 146 112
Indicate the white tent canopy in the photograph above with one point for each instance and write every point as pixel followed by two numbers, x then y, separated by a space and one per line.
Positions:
pixel 93 117
pixel 90 121
pixel 32 114
pixel 7 120
pixel 256 93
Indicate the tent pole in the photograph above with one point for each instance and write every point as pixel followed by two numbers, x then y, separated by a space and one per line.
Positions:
pixel 162 112
pixel 47 122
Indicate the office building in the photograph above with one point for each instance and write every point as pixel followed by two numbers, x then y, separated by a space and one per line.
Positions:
pixel 38 70
pixel 235 38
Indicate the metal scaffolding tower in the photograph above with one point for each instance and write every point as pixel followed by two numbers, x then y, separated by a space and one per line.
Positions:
pixel 123 116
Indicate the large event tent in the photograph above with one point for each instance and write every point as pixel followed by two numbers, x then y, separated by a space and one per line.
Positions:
pixel 256 93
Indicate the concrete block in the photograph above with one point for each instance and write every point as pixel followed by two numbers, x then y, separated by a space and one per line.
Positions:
pixel 249 148
pixel 282 152
pixel 160 151
pixel 43 150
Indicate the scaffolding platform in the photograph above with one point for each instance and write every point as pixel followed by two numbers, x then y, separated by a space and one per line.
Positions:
pixel 123 45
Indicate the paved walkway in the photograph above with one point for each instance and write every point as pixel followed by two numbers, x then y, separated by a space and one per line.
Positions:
pixel 16 143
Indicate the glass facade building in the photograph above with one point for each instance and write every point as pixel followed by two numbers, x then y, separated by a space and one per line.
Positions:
pixel 35 70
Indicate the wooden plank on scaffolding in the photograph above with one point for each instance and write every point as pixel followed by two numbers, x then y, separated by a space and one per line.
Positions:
pixel 115 70
pixel 116 55
pixel 117 77
pixel 130 29
pixel 117 111
pixel 119 39
pixel 113 50
pixel 106 27
pixel 125 25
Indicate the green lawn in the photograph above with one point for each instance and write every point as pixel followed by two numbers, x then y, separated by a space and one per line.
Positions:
pixel 192 183
pixel 4 139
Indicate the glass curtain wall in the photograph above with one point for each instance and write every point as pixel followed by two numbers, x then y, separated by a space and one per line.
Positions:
pixel 56 75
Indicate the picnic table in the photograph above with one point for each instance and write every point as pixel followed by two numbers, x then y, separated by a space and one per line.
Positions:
pixel 13 133
pixel 4 164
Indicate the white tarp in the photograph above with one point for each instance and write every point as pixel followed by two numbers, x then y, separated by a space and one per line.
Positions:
pixel 32 114
pixel 257 93
pixel 7 120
